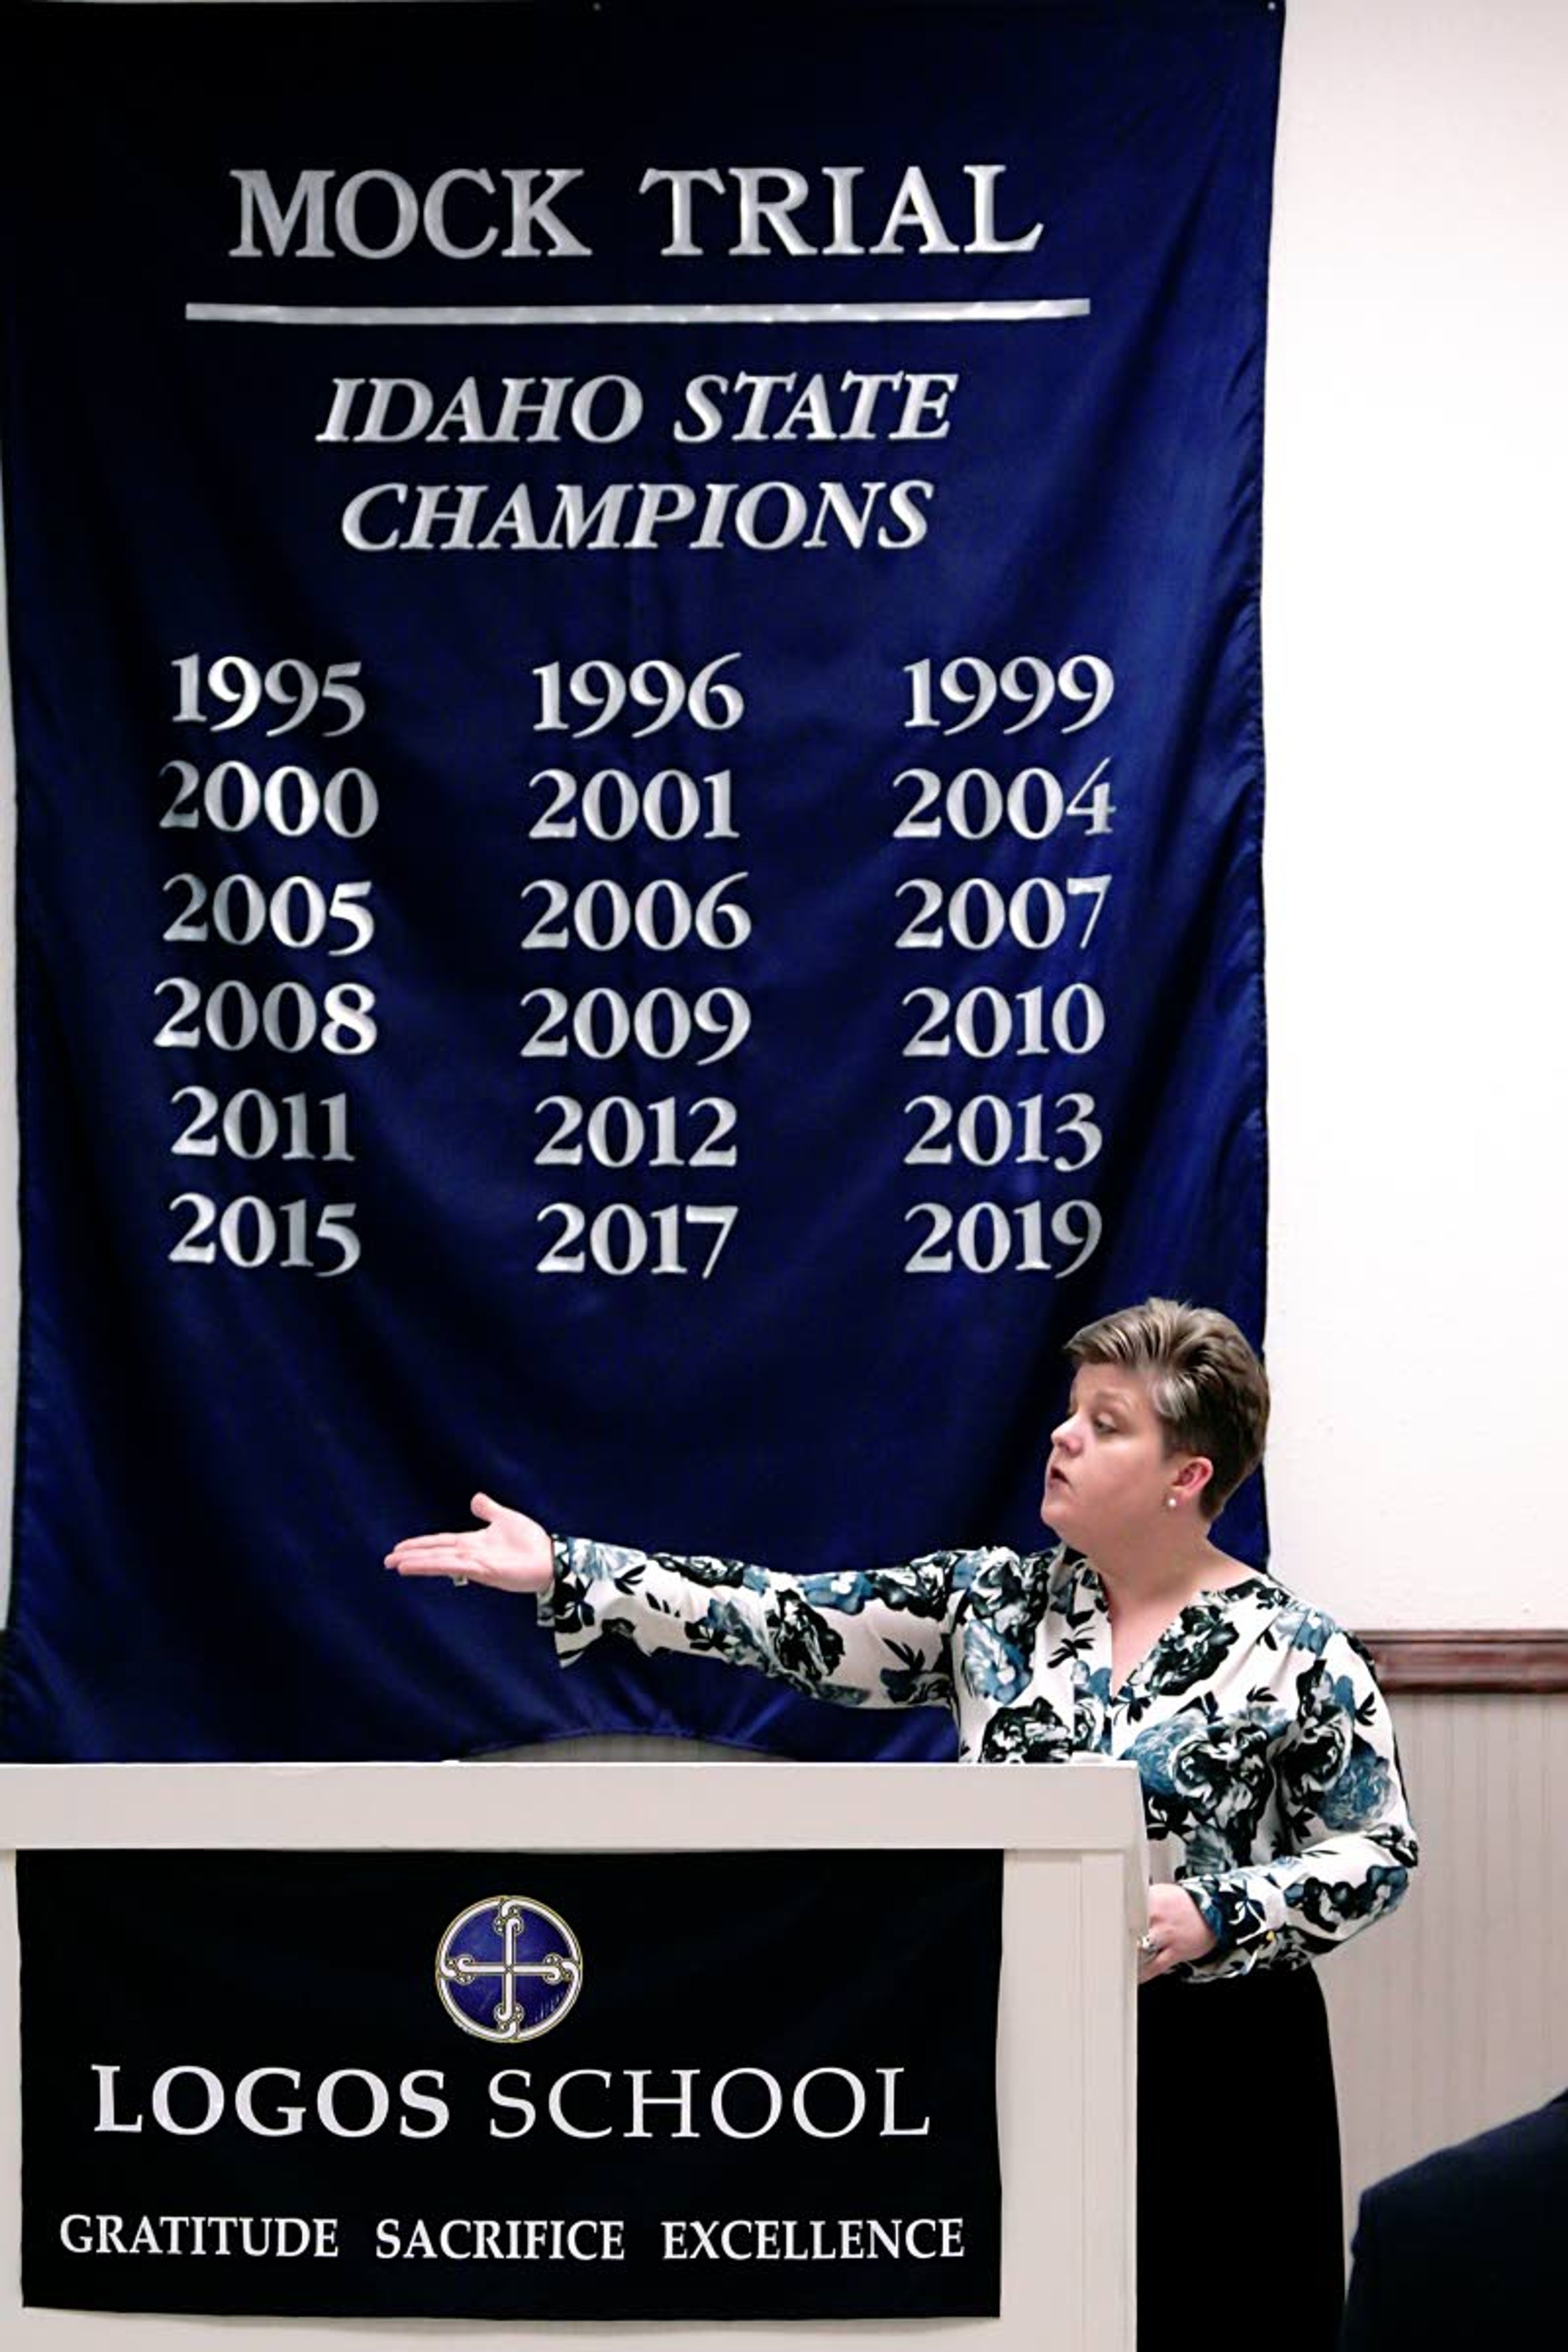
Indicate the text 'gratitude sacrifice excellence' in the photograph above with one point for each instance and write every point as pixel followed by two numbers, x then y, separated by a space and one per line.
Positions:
pixel 742 212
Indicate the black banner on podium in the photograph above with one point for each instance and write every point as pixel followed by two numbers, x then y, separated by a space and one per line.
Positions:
pixel 700 2086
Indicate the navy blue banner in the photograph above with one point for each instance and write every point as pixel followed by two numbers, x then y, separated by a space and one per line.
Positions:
pixel 641 783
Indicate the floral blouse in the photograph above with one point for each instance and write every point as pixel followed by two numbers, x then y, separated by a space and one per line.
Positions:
pixel 1263 1743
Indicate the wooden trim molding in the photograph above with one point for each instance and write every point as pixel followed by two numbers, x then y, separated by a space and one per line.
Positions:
pixel 1502 1659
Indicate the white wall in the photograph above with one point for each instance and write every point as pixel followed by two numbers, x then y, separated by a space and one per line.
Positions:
pixel 1417 835
pixel 1416 839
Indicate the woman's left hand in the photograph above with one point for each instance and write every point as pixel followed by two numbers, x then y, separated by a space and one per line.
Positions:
pixel 1177 1931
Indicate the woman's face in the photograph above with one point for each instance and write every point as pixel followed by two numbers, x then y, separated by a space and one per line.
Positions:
pixel 1108 1474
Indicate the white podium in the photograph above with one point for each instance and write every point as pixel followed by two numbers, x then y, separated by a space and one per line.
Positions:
pixel 1073 1904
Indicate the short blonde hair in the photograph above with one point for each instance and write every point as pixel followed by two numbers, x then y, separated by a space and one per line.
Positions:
pixel 1207 1387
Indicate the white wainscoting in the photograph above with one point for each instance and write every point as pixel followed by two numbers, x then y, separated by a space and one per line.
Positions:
pixel 1452 2015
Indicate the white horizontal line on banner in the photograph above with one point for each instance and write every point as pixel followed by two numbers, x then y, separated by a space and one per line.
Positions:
pixel 629 314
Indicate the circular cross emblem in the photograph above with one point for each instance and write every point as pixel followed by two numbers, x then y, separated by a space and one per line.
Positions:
pixel 508 1968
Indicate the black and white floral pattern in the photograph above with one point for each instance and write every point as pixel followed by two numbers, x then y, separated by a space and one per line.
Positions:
pixel 1264 1746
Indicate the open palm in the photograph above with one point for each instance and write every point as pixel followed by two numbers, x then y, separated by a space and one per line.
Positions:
pixel 510 1551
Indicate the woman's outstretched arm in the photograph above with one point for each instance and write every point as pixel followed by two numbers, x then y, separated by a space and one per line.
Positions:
pixel 877 1637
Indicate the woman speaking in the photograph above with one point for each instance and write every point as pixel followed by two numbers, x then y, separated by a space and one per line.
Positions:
pixel 1268 1761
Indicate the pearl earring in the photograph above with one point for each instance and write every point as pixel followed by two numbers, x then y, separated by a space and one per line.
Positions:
pixel 1170 1502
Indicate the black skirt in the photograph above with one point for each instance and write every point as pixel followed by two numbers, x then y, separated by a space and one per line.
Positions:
pixel 1240 2232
